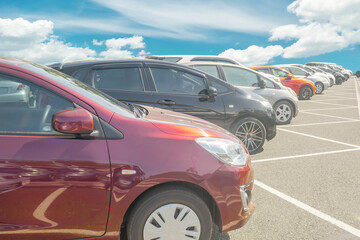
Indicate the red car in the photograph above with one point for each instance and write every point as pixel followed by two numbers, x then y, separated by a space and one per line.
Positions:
pixel 75 163
pixel 304 88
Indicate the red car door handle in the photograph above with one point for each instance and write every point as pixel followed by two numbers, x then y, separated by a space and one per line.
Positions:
pixel 166 102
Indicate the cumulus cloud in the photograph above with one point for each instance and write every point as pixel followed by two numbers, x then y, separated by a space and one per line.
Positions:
pixel 253 55
pixel 324 26
pixel 36 42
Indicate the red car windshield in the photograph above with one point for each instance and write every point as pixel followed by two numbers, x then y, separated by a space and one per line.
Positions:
pixel 101 98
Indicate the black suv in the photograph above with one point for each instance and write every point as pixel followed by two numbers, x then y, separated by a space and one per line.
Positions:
pixel 182 89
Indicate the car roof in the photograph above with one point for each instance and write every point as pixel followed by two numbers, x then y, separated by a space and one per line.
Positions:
pixel 195 58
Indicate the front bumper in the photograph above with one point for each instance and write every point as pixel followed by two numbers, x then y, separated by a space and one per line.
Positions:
pixel 224 186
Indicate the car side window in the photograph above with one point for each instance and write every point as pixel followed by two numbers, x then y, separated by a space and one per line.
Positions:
pixel 269 84
pixel 219 85
pixel 297 71
pixel 240 77
pixel 26 108
pixel 209 69
pixel 80 75
pixel 169 80
pixel 128 79
pixel 279 72
pixel 264 70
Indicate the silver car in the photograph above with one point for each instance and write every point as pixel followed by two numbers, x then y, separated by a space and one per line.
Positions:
pixel 13 92
pixel 283 99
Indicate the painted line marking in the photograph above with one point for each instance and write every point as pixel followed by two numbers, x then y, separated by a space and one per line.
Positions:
pixel 323 109
pixel 357 95
pixel 304 155
pixel 332 104
pixel 309 209
pixel 314 124
pixel 325 115
pixel 320 138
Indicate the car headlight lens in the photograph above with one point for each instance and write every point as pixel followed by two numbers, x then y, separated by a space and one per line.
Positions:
pixel 227 151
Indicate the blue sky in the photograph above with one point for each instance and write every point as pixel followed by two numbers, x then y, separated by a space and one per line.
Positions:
pixel 253 32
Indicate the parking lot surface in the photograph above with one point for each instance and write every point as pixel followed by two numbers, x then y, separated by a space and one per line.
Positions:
pixel 307 181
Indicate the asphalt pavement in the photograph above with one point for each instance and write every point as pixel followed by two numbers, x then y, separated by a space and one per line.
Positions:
pixel 307 179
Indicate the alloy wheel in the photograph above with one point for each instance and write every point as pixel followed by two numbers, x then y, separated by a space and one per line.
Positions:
pixel 283 113
pixel 172 222
pixel 306 94
pixel 318 88
pixel 251 134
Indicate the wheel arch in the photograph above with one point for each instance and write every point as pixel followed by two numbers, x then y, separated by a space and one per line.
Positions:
pixel 286 100
pixel 196 189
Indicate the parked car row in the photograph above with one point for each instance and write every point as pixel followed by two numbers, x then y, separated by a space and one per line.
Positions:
pixel 140 148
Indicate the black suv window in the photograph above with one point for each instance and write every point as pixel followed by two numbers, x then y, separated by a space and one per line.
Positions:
pixel 119 79
pixel 169 80
pixel 26 108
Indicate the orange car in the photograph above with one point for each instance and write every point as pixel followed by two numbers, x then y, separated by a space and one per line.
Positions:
pixel 304 88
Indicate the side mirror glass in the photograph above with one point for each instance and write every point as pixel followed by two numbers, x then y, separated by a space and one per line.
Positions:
pixel 73 121
pixel 262 84
pixel 212 92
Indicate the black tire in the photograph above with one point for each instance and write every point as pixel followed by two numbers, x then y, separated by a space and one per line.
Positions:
pixel 254 138
pixel 305 93
pixel 339 80
pixel 319 88
pixel 163 197
pixel 282 114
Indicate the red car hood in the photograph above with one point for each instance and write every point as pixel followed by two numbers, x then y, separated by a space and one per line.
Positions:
pixel 182 124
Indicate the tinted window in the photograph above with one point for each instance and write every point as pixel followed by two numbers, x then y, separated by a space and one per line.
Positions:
pixel 264 70
pixel 119 79
pixel 220 86
pixel 27 108
pixel 279 72
pixel 80 75
pixel 269 84
pixel 297 71
pixel 173 81
pixel 212 70
pixel 240 77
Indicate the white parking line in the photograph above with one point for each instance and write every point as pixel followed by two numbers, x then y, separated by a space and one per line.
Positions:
pixel 314 124
pixel 332 104
pixel 321 109
pixel 325 115
pixel 309 209
pixel 320 138
pixel 357 95
pixel 304 155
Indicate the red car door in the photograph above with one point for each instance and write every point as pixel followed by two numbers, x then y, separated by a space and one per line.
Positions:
pixel 52 185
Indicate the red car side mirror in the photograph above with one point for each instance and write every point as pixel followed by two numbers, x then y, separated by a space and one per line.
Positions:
pixel 73 121
pixel 288 77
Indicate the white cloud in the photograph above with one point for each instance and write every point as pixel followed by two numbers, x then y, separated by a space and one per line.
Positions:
pixel 190 19
pixel 35 41
pixel 325 26
pixel 97 43
pixel 253 55
pixel 134 42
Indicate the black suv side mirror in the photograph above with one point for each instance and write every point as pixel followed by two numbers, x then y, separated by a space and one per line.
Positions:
pixel 262 84
pixel 212 92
